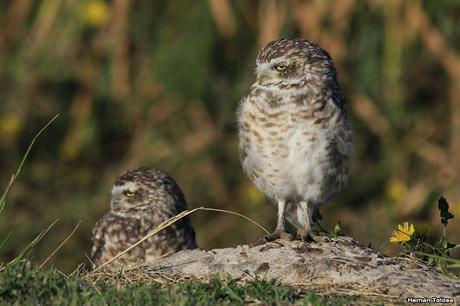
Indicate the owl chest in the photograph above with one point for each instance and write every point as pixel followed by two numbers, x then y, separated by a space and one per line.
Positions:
pixel 287 136
pixel 286 150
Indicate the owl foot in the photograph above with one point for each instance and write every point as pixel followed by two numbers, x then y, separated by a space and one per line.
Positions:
pixel 282 235
pixel 310 236
pixel 320 238
pixel 304 235
pixel 285 236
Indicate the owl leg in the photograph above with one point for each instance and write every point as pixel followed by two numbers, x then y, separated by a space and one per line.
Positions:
pixel 280 225
pixel 306 233
pixel 280 231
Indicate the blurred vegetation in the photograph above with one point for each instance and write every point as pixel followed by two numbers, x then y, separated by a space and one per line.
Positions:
pixel 156 83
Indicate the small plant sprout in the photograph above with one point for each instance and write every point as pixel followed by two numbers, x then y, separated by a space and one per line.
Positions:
pixel 337 231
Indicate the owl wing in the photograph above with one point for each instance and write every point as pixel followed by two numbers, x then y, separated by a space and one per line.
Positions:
pixel 344 134
pixel 185 234
pixel 181 234
pixel 113 234
pixel 178 236
pixel 344 140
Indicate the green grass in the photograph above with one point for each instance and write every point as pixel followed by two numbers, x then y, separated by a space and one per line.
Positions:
pixel 22 283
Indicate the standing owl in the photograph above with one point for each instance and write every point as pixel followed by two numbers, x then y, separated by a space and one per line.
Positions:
pixel 142 199
pixel 295 140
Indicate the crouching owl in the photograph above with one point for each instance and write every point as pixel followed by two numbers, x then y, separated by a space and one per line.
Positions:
pixel 141 199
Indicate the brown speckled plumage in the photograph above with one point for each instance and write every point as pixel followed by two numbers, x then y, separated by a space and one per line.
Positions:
pixel 142 199
pixel 295 140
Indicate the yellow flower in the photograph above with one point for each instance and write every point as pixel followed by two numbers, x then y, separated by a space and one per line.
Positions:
pixel 403 234
pixel 96 12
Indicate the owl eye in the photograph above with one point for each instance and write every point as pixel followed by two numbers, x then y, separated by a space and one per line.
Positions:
pixel 128 193
pixel 280 67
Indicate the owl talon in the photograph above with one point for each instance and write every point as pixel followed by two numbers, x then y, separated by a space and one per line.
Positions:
pixel 269 238
pixel 310 236
pixel 320 238
pixel 282 235
pixel 286 236
pixel 304 235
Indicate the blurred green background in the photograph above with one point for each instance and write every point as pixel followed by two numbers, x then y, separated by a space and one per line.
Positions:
pixel 156 83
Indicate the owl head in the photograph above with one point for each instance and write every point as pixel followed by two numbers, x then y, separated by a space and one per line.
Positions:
pixel 141 187
pixel 290 61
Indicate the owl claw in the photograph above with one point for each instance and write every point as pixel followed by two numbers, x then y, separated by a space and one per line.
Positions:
pixel 304 235
pixel 282 235
pixel 286 236
pixel 310 236
pixel 269 238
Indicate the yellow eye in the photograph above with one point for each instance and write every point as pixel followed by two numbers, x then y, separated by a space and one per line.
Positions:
pixel 280 67
pixel 129 193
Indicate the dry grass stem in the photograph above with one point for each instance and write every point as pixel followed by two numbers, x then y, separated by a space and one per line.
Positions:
pixel 21 164
pixel 62 243
pixel 237 214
